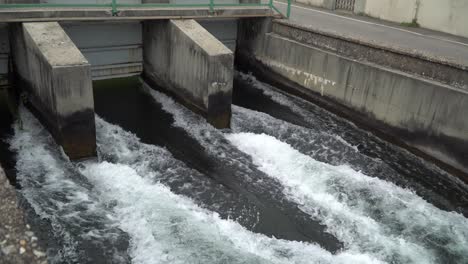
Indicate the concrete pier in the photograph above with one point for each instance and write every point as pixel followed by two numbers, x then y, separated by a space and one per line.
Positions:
pixel 57 78
pixel 428 114
pixel 188 62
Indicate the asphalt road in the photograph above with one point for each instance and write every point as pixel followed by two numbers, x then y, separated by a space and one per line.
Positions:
pixel 415 40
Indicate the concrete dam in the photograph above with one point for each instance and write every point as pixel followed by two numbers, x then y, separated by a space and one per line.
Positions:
pixel 228 132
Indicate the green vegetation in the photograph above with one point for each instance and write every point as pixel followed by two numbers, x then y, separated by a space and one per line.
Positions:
pixel 413 24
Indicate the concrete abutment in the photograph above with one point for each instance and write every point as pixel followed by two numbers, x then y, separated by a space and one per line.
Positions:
pixel 57 79
pixel 180 57
pixel 186 61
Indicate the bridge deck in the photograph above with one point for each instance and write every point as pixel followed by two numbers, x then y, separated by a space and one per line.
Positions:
pixel 147 13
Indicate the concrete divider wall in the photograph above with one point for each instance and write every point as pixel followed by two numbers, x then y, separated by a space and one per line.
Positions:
pixel 427 115
pixel 115 49
pixel 58 79
pixel 183 58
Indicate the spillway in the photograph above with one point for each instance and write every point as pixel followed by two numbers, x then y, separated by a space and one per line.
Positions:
pixel 288 183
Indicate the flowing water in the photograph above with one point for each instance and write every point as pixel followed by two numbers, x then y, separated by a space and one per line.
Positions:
pixel 289 183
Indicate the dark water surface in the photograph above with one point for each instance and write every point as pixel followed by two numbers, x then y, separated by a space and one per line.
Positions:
pixel 6 121
pixel 227 177
pixel 367 153
pixel 289 183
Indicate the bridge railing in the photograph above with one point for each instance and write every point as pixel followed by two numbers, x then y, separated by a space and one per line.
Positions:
pixel 115 5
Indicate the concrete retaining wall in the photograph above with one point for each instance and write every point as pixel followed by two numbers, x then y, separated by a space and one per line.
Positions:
pixel 446 16
pixel 427 115
pixel 391 10
pixel 330 4
pixel 58 79
pixel 425 65
pixel 183 58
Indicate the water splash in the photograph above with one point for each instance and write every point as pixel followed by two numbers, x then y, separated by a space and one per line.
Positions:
pixel 370 215
pixel 82 226
pixel 90 203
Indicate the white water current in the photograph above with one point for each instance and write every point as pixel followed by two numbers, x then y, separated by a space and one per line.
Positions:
pixel 163 227
pixel 95 206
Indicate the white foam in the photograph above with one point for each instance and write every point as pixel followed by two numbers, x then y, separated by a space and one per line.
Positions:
pixel 163 227
pixel 297 104
pixel 167 228
pixel 370 215
pixel 281 99
pixel 209 137
pixel 224 239
pixel 56 193
pixel 183 117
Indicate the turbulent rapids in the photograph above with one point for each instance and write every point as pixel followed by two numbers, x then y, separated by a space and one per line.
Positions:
pixel 289 183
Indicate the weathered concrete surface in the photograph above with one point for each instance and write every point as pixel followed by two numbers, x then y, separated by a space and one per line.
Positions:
pixel 4 49
pixel 427 115
pixel 4 53
pixel 319 3
pixel 58 79
pixel 127 13
pixel 392 10
pixel 417 42
pixel 18 244
pixel 183 58
pixel 426 65
pixel 225 30
pixel 155 1
pixel 117 53
pixel 447 16
pixel 19 1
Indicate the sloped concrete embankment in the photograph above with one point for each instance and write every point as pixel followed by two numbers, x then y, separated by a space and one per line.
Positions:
pixel 419 99
pixel 18 243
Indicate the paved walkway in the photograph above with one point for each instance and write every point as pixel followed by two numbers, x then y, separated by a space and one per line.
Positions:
pixel 428 42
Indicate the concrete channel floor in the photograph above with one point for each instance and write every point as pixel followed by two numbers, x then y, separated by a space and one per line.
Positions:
pixel 18 244
pixel 429 43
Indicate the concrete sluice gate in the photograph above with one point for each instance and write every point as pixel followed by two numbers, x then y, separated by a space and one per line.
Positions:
pixel 199 163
